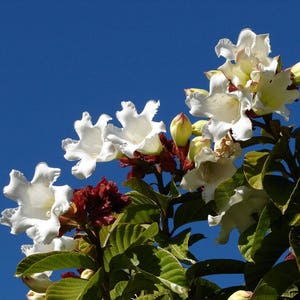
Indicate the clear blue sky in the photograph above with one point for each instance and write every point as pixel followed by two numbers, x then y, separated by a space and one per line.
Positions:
pixel 60 58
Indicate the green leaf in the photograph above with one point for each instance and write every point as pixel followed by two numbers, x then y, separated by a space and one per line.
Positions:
pixel 178 246
pixel 118 289
pixel 251 239
pixel 174 192
pixel 106 231
pixel 215 266
pixel 125 236
pixel 296 135
pixel 142 210
pixel 254 165
pixel 160 266
pixel 76 288
pixel 277 281
pixel 257 140
pixel 134 286
pixel 55 260
pixel 294 238
pixel 196 237
pixel 204 289
pixel 226 189
pixel 192 209
pixel 280 190
pixel 246 241
pixel 143 188
pixel 272 247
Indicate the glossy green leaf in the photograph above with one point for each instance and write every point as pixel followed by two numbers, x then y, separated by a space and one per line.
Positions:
pixel 125 236
pixel 118 290
pixel 136 285
pixel 251 239
pixel 277 281
pixel 272 247
pixel 178 246
pixel 215 266
pixel 174 192
pixel 161 266
pixel 254 165
pixel 226 189
pixel 245 242
pixel 294 238
pixel 105 231
pixel 255 140
pixel 280 190
pixel 296 135
pixel 56 260
pixel 76 288
pixel 143 188
pixel 204 289
pixel 142 210
pixel 192 209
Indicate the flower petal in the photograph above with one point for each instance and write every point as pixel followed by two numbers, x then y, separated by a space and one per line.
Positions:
pixel 273 93
pixel 92 146
pixel 239 211
pixel 139 132
pixel 226 49
pixel 44 175
pixel 40 203
pixel 210 170
pixel 84 168
pixel 64 243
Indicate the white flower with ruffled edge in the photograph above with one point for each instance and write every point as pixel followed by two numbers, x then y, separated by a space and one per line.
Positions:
pixel 249 67
pixel 243 58
pixel 239 211
pixel 210 170
pixel 272 93
pixel 139 132
pixel 92 146
pixel 249 42
pixel 40 203
pixel 64 243
pixel 226 110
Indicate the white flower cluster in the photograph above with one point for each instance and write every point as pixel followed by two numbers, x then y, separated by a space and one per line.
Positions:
pixel 104 142
pixel 249 81
pixel 249 84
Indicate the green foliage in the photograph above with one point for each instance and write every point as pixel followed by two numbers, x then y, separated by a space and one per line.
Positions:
pixel 56 260
pixel 255 164
pixel 226 189
pixel 281 191
pixel 76 288
pixel 125 236
pixel 161 266
pixel 191 209
pixel 277 281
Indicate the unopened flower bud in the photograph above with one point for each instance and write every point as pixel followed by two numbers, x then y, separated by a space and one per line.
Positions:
pixel 194 90
pixel 295 71
pixel 196 145
pixel 197 127
pixel 241 295
pixel 31 295
pixel 37 282
pixel 87 274
pixel 210 73
pixel 181 129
